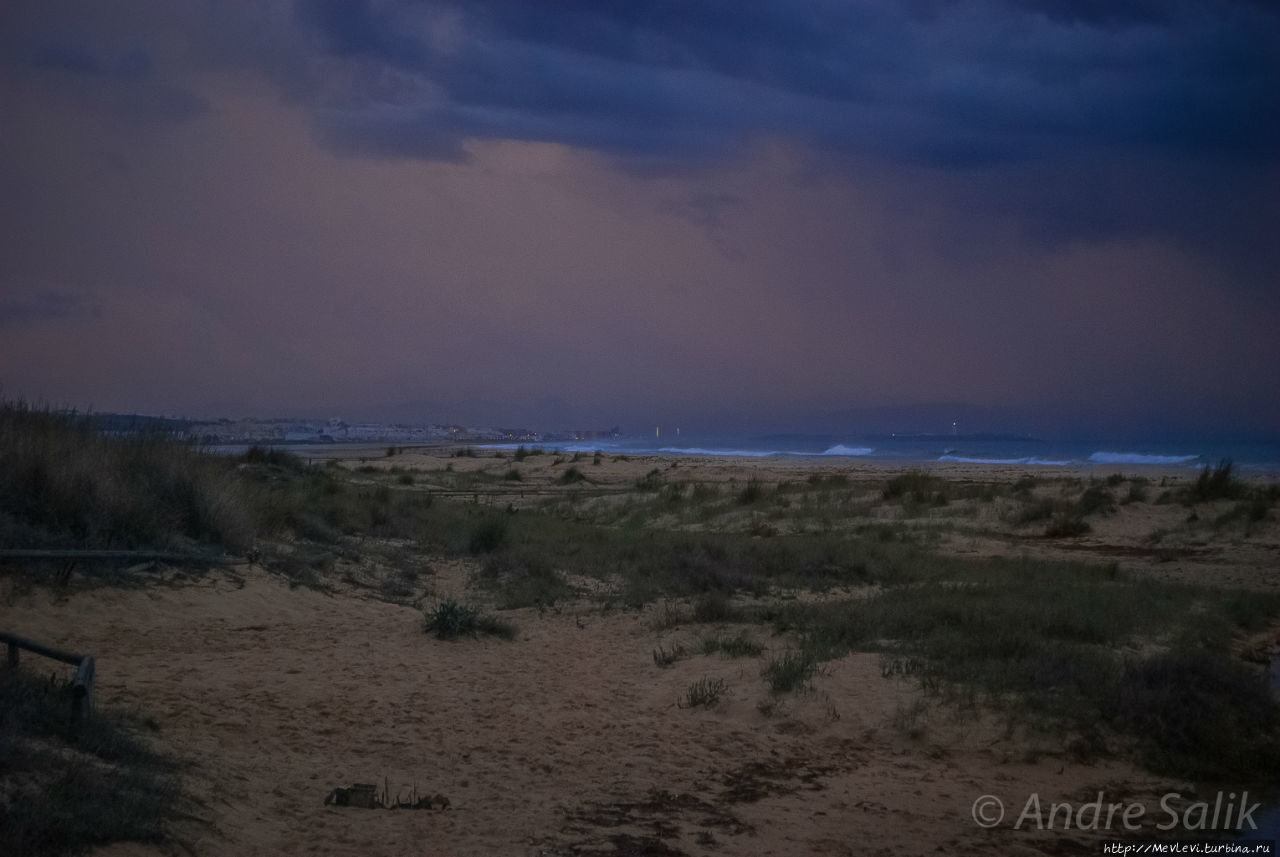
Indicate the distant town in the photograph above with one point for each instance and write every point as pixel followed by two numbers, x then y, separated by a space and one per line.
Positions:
pixel 224 432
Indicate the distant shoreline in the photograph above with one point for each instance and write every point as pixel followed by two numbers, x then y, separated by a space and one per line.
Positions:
pixel 1263 463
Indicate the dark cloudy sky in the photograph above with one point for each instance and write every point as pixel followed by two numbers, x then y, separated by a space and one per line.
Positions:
pixel 722 213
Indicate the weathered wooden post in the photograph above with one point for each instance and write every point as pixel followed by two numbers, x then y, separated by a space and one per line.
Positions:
pixel 81 685
pixel 82 693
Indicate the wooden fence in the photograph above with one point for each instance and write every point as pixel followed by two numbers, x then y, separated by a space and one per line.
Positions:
pixel 81 685
pixel 35 554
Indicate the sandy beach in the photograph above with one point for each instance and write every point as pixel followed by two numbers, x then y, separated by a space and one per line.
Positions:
pixel 569 739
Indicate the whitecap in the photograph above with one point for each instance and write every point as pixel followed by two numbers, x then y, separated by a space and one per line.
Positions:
pixel 841 449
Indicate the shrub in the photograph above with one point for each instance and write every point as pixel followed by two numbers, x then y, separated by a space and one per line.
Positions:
pixel 1216 484
pixel 713 607
pixel 753 493
pixel 571 476
pixel 705 491
pixel 520 580
pixel 450 620
pixel 705 692
pixel 790 671
pixel 1183 702
pixel 490 535
pixel 739 645
pixel 1095 499
pixel 651 481
pixel 915 483
pixel 664 658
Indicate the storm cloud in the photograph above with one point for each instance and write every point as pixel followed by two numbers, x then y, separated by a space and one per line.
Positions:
pixel 643 208
pixel 939 83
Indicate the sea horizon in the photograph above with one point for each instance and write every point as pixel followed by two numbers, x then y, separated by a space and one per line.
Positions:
pixel 1253 458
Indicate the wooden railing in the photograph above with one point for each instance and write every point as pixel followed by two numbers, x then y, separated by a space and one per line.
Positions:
pixel 31 554
pixel 81 685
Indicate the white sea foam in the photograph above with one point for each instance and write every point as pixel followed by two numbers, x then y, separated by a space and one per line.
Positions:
pixel 1139 458
pixel 841 449
pixel 1033 461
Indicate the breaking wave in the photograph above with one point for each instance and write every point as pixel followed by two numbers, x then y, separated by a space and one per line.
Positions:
pixel 1139 458
pixel 841 449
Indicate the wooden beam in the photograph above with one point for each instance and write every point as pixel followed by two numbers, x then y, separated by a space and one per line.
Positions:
pixel 139 555
pixel 15 642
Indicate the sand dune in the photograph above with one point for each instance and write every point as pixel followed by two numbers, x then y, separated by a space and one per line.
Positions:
pixel 566 740
pixel 569 739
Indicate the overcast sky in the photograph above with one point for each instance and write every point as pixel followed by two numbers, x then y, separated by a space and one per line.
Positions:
pixel 719 214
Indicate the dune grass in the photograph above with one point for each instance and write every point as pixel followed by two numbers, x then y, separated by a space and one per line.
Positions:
pixel 522 581
pixel 704 693
pixel 664 657
pixel 450 620
pixel 63 483
pixel 738 645
pixel 790 671
pixel 65 795
pixel 1075 647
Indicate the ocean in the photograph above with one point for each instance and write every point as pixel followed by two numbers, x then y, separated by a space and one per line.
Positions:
pixel 921 450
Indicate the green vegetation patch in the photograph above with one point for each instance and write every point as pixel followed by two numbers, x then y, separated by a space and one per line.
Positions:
pixel 450 620
pixel 1073 646
pixel 519 580
pixel 704 693
pixel 664 657
pixel 739 645
pixel 790 671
